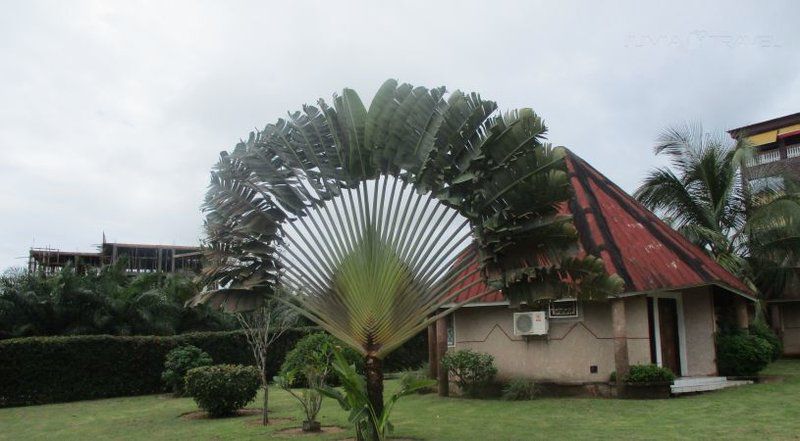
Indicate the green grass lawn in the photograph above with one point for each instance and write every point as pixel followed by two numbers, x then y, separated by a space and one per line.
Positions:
pixel 762 411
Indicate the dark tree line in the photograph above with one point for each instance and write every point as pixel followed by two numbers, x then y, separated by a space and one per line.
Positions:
pixel 102 301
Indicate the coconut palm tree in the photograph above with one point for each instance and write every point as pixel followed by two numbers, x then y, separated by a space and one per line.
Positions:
pixel 374 219
pixel 773 231
pixel 702 193
pixel 753 232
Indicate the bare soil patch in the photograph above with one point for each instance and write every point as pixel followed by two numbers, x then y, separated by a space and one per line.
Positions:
pixel 272 421
pixel 298 431
pixel 392 439
pixel 203 415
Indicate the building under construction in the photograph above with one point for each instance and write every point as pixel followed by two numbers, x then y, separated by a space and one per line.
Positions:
pixel 138 258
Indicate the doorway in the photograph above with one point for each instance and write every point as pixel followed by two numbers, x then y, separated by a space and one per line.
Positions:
pixel 667 339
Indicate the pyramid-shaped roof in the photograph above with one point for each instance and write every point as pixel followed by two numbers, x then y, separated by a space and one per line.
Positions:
pixel 633 242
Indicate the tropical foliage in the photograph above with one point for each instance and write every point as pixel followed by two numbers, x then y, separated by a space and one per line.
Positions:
pixel 470 370
pixel 179 361
pixel 374 218
pixel 752 231
pixel 702 193
pixel 222 389
pixel 306 352
pixel 314 373
pixel 648 373
pixel 774 240
pixel 105 301
pixel 370 423
pixel 520 389
pixel 741 353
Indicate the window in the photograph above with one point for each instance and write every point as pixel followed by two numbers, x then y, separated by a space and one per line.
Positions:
pixel 563 309
pixel 451 331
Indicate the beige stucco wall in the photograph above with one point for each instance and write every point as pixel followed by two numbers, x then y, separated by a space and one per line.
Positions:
pixel 573 345
pixel 790 323
pixel 698 313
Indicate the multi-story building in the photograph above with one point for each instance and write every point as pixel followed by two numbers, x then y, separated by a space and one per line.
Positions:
pixel 777 142
pixel 138 258
pixel 778 155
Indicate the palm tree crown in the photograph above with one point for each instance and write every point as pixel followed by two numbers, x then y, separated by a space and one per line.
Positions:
pixel 702 194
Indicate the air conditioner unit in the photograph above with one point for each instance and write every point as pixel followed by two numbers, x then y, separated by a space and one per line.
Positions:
pixel 530 323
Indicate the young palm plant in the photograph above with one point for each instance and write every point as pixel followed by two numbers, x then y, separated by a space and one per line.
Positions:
pixel 374 219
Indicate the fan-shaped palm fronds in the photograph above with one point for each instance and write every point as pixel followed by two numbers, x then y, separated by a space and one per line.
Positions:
pixel 367 215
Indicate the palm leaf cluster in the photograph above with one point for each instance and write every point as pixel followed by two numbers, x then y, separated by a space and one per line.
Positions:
pixel 372 217
pixel 773 232
pixel 702 193
pixel 102 301
pixel 753 231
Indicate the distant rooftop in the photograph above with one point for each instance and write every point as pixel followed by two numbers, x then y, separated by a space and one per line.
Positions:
pixel 139 258
pixel 764 126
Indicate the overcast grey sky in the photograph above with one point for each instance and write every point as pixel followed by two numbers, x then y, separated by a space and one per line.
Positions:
pixel 112 113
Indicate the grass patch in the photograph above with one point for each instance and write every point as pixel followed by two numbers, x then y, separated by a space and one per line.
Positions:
pixel 763 411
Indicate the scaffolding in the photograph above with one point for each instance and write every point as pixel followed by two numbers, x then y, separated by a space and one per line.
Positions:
pixel 138 258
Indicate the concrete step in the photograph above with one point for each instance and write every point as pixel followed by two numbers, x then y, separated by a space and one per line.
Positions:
pixel 685 385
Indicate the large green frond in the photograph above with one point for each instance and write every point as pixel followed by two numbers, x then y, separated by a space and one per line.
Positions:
pixel 367 216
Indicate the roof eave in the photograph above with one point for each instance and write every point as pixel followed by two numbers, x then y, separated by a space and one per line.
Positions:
pixel 749 296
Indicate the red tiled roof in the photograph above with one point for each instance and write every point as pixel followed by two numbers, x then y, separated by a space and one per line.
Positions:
pixel 633 242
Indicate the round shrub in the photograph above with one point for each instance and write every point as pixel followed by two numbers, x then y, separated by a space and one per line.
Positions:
pixel 470 370
pixel 222 389
pixel 519 389
pixel 306 352
pixel 761 329
pixel 179 361
pixel 649 373
pixel 742 354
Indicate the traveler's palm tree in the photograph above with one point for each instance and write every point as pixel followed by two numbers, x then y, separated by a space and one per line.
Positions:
pixel 374 219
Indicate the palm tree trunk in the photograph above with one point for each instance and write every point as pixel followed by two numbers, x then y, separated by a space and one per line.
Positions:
pixel 374 372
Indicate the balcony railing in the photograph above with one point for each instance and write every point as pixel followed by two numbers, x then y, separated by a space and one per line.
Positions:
pixel 793 151
pixel 766 158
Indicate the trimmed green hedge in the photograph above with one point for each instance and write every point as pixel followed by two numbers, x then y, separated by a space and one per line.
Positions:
pixel 39 370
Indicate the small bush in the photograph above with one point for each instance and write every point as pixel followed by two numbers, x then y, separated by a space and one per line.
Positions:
pixel 222 389
pixel 519 389
pixel 739 353
pixel 410 377
pixel 306 352
pixel 648 373
pixel 470 370
pixel 760 329
pixel 178 362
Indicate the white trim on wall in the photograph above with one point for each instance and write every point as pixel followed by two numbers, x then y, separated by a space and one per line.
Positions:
pixel 681 328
